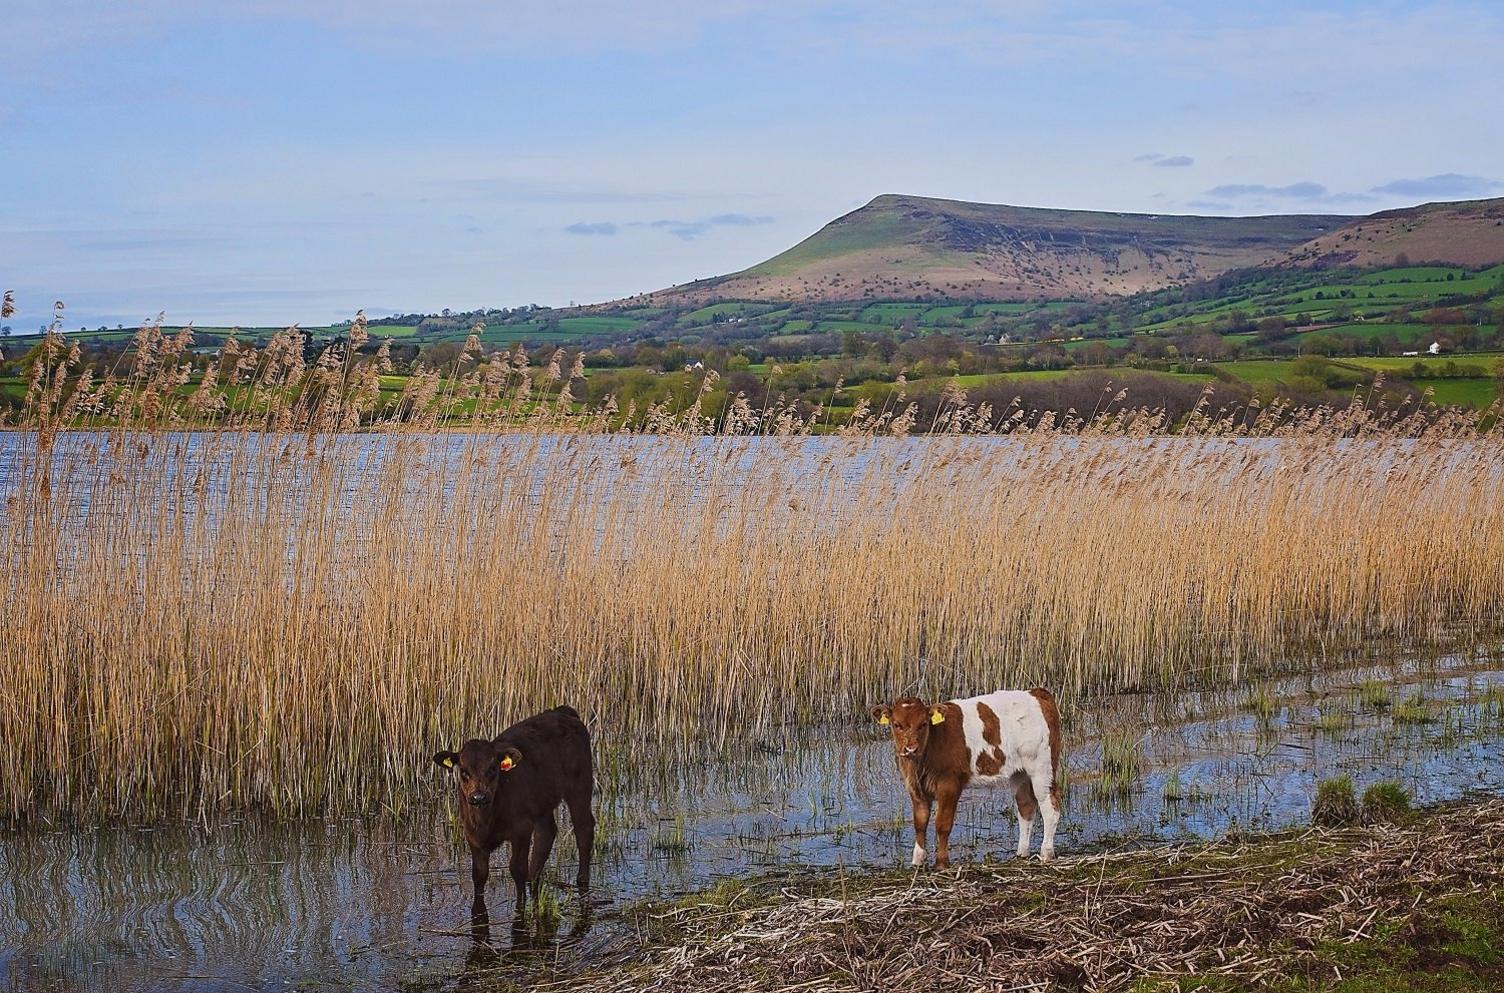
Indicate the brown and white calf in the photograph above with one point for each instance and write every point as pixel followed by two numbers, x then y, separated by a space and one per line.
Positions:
pixel 1011 736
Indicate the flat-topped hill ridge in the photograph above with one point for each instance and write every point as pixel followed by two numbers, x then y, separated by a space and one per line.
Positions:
pixel 911 247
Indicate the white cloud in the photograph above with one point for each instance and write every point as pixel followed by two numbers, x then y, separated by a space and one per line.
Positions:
pixel 1449 185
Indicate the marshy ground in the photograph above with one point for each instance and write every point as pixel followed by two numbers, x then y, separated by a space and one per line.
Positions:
pixel 383 902
pixel 1412 906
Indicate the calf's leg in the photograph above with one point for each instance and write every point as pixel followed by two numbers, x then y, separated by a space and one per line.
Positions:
pixel 583 820
pixel 480 871
pixel 544 833
pixel 945 816
pixel 1023 795
pixel 921 827
pixel 1049 808
pixel 519 866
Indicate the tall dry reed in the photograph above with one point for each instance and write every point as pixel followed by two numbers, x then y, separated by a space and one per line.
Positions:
pixel 284 613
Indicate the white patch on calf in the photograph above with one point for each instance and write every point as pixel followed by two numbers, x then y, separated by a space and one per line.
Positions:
pixel 1024 738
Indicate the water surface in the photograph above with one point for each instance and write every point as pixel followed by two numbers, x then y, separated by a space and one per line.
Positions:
pixel 381 903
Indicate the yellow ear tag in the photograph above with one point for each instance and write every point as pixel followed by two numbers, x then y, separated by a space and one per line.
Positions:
pixel 937 717
pixel 506 763
pixel 883 719
pixel 448 763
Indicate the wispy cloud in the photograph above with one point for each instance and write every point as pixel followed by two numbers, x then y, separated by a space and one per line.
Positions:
pixel 1448 184
pixel 1168 161
pixel 592 227
pixel 1295 191
pixel 687 230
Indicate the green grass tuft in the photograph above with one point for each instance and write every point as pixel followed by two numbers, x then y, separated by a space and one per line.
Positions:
pixel 1336 805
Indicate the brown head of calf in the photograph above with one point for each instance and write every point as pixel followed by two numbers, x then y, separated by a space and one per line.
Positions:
pixel 910 721
pixel 479 766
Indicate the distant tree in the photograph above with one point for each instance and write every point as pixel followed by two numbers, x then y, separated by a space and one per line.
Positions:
pixel 1272 329
pixel 1095 353
pixel 1321 344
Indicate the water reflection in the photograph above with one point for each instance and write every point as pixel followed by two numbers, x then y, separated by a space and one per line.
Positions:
pixel 243 902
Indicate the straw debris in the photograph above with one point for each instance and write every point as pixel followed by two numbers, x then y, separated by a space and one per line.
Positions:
pixel 1243 911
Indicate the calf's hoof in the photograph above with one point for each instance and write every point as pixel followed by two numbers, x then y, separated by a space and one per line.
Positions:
pixel 918 857
pixel 1046 854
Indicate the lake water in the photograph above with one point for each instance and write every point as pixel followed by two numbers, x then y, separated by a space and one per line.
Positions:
pixel 381 903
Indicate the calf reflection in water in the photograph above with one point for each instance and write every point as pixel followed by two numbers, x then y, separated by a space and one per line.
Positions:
pixel 509 789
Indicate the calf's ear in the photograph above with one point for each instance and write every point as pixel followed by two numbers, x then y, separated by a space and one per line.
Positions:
pixel 446 759
pixel 508 759
pixel 882 715
pixel 937 714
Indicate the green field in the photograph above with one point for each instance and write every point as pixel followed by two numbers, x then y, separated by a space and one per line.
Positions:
pixel 1477 392
pixel 1487 361
pixel 934 384
pixel 706 315
pixel 1373 330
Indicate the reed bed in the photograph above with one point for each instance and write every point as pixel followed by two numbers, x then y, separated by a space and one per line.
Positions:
pixel 273 592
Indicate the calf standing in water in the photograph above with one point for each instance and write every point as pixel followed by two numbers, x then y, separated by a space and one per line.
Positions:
pixel 509 789
pixel 1010 736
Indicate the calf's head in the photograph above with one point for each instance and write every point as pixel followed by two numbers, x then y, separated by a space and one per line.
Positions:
pixel 478 768
pixel 911 721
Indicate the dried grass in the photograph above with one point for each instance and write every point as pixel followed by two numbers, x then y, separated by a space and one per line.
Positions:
pixel 281 613
pixel 1243 911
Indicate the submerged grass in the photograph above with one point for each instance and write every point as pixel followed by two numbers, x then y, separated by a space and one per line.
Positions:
pixel 280 613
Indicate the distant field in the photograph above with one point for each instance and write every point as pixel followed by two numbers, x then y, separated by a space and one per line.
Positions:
pixel 393 330
pixel 1488 361
pixel 706 314
pixel 889 313
pixel 839 326
pixel 1372 330
pixel 1476 393
pixel 934 384
pixel 1400 289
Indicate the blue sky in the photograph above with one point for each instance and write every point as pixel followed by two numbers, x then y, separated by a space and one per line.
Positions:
pixel 279 161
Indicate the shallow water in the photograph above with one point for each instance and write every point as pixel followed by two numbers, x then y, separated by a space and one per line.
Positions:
pixel 244 903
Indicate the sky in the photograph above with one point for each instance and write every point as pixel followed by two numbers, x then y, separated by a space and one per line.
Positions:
pixel 268 162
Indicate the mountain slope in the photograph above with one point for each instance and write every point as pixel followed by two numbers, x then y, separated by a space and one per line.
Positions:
pixel 907 247
pixel 1465 232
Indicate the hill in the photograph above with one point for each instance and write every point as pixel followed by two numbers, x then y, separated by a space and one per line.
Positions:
pixel 1466 233
pixel 908 247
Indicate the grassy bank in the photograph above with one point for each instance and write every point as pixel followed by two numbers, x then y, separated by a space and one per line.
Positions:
pixel 1404 908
